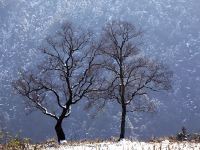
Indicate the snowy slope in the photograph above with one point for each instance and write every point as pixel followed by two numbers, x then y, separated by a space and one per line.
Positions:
pixel 128 145
pixel 171 33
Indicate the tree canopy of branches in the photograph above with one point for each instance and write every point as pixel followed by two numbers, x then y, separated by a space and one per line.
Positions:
pixel 65 76
pixel 75 67
pixel 130 75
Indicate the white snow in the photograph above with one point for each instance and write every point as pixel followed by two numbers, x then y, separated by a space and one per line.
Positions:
pixel 128 145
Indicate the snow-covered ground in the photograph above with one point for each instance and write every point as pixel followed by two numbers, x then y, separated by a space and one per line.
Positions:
pixel 128 145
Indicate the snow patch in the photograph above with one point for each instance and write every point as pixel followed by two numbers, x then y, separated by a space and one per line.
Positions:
pixel 131 145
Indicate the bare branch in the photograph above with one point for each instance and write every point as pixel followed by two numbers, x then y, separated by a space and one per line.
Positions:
pixel 66 75
pixel 133 75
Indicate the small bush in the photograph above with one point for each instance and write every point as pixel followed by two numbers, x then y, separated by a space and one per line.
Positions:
pixel 182 136
pixel 10 142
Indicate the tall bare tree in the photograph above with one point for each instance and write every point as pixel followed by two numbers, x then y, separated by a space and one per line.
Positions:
pixel 65 76
pixel 130 75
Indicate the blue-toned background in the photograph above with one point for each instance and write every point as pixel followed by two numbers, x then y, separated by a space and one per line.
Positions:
pixel 171 34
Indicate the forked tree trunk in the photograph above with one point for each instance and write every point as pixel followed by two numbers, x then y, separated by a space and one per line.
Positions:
pixel 59 131
pixel 123 122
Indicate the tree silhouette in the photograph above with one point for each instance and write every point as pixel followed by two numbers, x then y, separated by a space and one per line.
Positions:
pixel 130 76
pixel 65 76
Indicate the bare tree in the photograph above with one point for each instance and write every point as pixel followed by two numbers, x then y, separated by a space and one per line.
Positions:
pixel 130 76
pixel 65 76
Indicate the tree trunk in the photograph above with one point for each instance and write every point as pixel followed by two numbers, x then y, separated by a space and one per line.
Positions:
pixel 123 122
pixel 59 131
